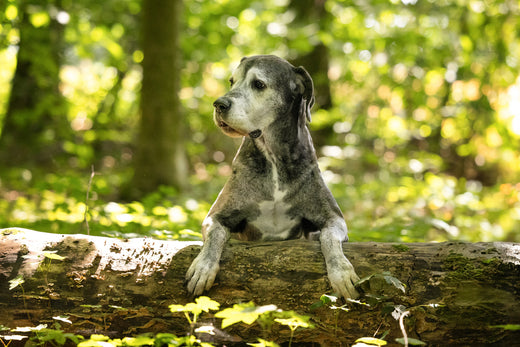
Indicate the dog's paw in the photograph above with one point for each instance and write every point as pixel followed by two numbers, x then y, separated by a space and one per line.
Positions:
pixel 342 277
pixel 201 275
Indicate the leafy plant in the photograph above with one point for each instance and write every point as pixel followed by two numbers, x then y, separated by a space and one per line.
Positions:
pixel 246 313
pixel 55 337
pixel 369 341
pixel 294 322
pixel 201 304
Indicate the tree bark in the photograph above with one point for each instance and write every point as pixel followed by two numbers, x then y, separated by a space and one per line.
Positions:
pixel 160 153
pixel 455 292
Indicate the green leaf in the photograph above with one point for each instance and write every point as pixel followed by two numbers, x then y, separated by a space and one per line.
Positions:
pixel 15 282
pixel 247 313
pixel 512 327
pixel 411 341
pixel 364 279
pixel 206 304
pixel 357 302
pixel 52 255
pixel 293 322
pixel 372 341
pixel 202 303
pixel 177 308
pixel 63 319
pixel 29 329
pixel 316 305
pixel 263 343
pixel 96 340
pixel 394 281
pixel 343 307
pixel 206 329
pixel 4 328
pixel 327 299
pixel 138 341
pixel 14 337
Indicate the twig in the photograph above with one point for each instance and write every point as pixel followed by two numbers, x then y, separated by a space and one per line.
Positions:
pixel 401 325
pixel 87 198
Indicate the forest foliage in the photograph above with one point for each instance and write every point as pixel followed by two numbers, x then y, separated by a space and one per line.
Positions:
pixel 420 142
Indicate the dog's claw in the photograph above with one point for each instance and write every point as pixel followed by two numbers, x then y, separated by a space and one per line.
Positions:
pixel 342 278
pixel 200 276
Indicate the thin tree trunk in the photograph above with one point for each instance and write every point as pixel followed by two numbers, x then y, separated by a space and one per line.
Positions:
pixel 36 115
pixel 316 61
pixel 160 158
pixel 455 292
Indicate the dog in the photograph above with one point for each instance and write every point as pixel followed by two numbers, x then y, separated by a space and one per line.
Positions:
pixel 275 191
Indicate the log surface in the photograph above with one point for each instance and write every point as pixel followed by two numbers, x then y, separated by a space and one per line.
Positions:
pixel 456 292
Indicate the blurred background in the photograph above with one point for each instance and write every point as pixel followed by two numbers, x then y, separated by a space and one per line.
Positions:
pixel 106 112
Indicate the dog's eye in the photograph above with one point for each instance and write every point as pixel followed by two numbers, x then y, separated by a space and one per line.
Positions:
pixel 259 84
pixel 231 81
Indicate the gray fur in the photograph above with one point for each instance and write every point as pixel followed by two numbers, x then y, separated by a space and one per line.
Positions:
pixel 276 191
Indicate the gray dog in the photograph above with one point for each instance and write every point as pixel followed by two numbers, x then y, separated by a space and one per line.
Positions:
pixel 276 191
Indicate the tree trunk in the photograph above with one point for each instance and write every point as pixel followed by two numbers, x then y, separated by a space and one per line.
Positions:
pixel 36 112
pixel 160 158
pixel 455 292
pixel 316 61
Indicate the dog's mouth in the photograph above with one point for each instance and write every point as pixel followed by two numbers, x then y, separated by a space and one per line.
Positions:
pixel 223 125
pixel 227 129
pixel 232 132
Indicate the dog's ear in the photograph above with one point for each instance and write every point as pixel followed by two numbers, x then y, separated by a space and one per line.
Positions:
pixel 306 88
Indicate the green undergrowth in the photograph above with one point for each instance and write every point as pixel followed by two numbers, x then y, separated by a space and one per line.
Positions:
pixel 377 207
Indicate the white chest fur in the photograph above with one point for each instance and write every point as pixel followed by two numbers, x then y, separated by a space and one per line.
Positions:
pixel 274 223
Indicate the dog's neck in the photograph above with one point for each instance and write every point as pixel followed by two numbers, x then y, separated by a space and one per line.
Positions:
pixel 286 144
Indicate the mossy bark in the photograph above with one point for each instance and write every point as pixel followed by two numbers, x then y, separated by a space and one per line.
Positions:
pixel 455 292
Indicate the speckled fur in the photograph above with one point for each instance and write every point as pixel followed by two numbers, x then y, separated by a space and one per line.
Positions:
pixel 276 191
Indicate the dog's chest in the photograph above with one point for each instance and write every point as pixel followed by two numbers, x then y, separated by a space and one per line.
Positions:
pixel 272 218
pixel 274 223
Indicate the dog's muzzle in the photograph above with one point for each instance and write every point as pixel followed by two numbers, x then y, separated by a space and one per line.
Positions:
pixel 222 104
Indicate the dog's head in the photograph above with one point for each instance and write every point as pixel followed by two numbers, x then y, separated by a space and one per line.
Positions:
pixel 263 88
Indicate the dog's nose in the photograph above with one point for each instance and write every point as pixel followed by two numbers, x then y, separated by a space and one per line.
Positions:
pixel 222 104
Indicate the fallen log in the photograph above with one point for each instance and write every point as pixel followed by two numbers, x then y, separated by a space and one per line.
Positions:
pixel 457 293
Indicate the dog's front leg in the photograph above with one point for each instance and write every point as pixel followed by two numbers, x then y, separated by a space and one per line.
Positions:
pixel 341 273
pixel 205 266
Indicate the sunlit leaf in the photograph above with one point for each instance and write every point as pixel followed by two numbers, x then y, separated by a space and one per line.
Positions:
pixel 511 327
pixel 263 343
pixel 15 282
pixel 372 341
pixel 63 319
pixel 357 302
pixel 138 341
pixel 206 329
pixel 247 313
pixel 294 322
pixel 13 337
pixel 29 329
pixel 206 304
pixel 177 308
pixel 327 299
pixel 52 255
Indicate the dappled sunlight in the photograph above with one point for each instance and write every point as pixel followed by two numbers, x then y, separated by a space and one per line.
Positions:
pixel 421 142
pixel 507 105
pixel 8 63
